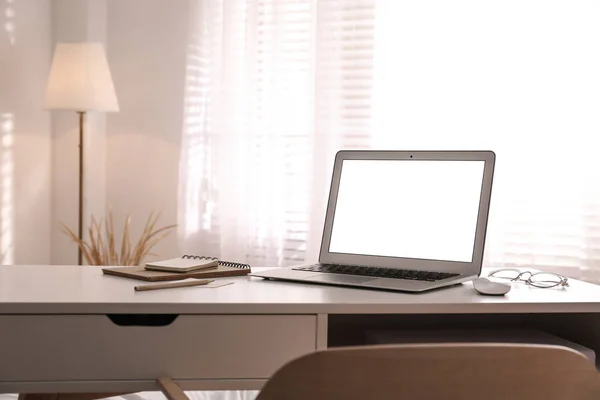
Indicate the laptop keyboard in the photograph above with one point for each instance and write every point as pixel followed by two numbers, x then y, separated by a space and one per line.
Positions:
pixel 377 272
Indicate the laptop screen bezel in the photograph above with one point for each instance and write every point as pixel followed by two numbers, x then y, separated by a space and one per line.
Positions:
pixel 468 268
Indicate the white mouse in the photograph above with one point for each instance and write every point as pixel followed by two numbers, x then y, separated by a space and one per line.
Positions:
pixel 487 287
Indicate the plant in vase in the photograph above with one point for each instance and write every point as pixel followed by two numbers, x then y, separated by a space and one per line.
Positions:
pixel 102 246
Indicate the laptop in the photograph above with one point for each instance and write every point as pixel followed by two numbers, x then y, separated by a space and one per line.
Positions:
pixel 402 220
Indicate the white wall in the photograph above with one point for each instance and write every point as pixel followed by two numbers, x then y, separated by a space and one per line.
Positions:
pixel 146 42
pixel 25 51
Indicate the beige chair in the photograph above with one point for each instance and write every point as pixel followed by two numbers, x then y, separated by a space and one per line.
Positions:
pixel 437 371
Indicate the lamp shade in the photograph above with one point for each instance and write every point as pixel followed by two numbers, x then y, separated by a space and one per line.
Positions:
pixel 80 79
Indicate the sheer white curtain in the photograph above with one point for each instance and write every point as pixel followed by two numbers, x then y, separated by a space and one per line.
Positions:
pixel 276 87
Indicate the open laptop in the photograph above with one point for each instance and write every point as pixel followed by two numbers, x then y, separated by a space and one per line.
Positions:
pixel 402 220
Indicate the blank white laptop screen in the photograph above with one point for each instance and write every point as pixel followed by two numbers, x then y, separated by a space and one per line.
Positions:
pixel 408 208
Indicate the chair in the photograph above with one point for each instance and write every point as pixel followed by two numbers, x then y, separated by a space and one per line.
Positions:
pixel 437 371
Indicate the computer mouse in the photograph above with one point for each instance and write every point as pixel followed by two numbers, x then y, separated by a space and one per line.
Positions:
pixel 487 287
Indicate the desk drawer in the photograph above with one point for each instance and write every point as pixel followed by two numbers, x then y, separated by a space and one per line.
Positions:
pixel 84 347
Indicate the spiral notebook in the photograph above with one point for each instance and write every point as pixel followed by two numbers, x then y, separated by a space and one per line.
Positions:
pixel 223 269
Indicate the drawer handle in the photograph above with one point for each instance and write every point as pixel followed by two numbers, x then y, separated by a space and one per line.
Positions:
pixel 142 319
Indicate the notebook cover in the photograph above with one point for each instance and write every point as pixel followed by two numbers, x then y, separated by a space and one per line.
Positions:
pixel 140 273
pixel 164 265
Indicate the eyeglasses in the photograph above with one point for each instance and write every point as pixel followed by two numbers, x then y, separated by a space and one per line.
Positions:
pixel 537 279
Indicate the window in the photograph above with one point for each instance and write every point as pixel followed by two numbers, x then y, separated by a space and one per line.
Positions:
pixel 276 87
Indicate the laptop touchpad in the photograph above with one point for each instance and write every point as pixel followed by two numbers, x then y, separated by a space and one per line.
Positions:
pixel 347 279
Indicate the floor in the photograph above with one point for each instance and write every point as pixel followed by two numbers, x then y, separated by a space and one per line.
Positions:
pixel 193 395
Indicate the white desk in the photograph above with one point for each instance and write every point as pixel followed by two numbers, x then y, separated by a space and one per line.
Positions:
pixel 71 329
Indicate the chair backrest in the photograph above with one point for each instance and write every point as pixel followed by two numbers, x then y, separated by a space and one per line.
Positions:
pixel 437 371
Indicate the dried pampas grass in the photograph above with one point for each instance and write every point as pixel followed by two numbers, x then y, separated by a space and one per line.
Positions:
pixel 102 246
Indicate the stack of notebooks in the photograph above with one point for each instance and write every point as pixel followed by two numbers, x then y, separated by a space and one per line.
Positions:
pixel 188 266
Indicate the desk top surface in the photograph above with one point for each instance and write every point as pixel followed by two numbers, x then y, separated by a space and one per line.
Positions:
pixel 44 289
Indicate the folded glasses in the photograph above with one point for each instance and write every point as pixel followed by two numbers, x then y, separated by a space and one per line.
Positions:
pixel 537 279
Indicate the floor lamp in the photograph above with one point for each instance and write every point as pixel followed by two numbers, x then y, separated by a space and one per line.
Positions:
pixel 80 81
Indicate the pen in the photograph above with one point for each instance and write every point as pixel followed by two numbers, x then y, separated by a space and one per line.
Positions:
pixel 169 285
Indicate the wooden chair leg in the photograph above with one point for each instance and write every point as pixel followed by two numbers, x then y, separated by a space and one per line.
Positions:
pixel 170 389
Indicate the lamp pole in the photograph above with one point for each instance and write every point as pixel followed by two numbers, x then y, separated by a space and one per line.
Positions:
pixel 80 219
